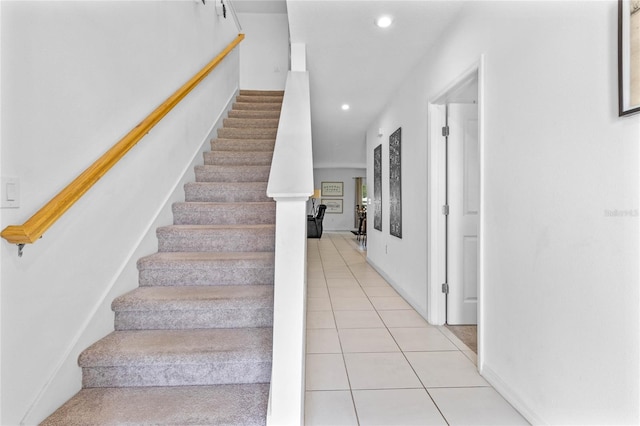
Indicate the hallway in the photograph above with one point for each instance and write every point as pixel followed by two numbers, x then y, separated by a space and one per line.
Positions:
pixel 372 360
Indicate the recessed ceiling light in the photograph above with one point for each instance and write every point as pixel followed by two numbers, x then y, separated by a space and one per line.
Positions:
pixel 345 107
pixel 384 21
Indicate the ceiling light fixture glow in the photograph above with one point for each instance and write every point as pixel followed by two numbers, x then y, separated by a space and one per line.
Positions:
pixel 345 107
pixel 384 21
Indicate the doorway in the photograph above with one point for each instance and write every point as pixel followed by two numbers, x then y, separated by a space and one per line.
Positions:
pixel 454 205
pixel 462 196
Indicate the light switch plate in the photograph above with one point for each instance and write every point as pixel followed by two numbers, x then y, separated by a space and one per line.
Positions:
pixel 10 193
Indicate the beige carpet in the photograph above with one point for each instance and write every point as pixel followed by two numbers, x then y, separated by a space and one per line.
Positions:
pixel 192 343
pixel 467 333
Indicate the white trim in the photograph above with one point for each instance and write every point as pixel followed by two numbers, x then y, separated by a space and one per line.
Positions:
pixel 511 397
pixel 399 289
pixel 291 172
pixel 481 213
pixel 290 184
pixel 436 235
pixel 435 220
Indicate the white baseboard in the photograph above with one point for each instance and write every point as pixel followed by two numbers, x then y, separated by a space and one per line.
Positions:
pixel 399 289
pixel 511 396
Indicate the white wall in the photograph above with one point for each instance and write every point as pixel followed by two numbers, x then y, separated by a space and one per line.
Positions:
pixel 76 77
pixel 561 302
pixel 337 221
pixel 264 53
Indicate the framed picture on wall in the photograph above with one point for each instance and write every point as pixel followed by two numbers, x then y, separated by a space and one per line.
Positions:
pixel 332 189
pixel 333 206
pixel 377 188
pixel 628 57
pixel 395 184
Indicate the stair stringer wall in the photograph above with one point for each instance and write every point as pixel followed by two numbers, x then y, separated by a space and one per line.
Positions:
pixel 66 378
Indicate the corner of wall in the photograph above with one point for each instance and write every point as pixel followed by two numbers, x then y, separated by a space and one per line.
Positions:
pixel 510 395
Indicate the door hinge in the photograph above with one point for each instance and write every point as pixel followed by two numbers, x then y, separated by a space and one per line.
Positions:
pixel 445 210
pixel 445 131
pixel 445 288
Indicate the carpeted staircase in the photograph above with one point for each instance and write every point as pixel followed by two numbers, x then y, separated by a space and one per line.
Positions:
pixel 193 342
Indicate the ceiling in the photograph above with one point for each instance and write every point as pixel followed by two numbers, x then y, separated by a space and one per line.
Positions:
pixel 350 60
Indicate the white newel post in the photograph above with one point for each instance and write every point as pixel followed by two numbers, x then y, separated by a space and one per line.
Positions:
pixel 287 385
pixel 290 185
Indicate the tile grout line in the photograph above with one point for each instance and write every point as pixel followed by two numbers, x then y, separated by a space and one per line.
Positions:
pixel 346 263
pixel 344 363
pixel 386 327
pixel 326 255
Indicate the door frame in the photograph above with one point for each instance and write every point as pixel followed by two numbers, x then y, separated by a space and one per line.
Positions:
pixel 436 196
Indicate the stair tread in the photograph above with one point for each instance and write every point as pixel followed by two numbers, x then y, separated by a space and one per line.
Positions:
pixel 233 167
pixel 244 404
pixel 259 98
pixel 207 205
pixel 226 191
pixel 257 106
pixel 193 342
pixel 228 237
pixel 202 212
pixel 179 347
pixel 232 173
pixel 244 113
pixel 195 298
pixel 242 153
pixel 262 92
pixel 221 158
pixel 234 186
pixel 247 133
pixel 251 123
pixel 215 227
pixel 190 260
pixel 240 145
pixel 240 140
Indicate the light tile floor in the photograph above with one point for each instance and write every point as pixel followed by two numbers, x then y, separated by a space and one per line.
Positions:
pixel 373 360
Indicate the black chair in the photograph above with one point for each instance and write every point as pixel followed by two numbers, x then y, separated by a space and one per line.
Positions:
pixel 314 224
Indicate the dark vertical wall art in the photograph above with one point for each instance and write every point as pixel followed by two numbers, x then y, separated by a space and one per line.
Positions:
pixel 395 184
pixel 377 188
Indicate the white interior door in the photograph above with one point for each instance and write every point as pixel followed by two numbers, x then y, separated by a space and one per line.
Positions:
pixel 463 198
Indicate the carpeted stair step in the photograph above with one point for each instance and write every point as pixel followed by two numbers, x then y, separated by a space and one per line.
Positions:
pixel 206 268
pixel 238 158
pixel 193 342
pixel 253 114
pixel 216 238
pixel 163 308
pixel 258 99
pixel 251 123
pixel 208 173
pixel 245 92
pixel 223 213
pixel 253 145
pixel 226 191
pixel 247 133
pixel 188 405
pixel 257 106
pixel 178 357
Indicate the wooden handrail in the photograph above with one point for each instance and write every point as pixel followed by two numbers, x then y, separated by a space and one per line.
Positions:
pixel 44 218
